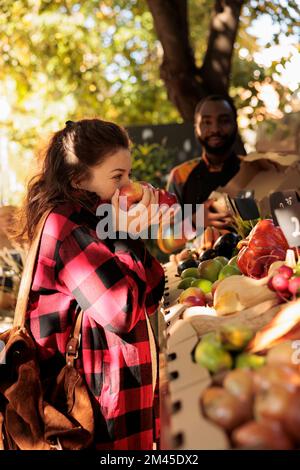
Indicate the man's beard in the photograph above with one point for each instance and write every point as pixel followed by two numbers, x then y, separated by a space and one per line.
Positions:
pixel 219 150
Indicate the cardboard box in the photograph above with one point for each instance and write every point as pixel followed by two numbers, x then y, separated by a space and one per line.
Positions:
pixel 264 173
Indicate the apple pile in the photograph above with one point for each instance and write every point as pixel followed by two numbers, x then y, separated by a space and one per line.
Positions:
pixel 200 279
pixel 254 398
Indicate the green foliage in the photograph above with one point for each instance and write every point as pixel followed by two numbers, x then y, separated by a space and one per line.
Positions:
pixel 199 20
pixel 66 59
pixel 152 163
pixel 284 14
pixel 93 56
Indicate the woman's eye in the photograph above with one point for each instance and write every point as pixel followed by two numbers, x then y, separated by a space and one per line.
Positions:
pixel 118 177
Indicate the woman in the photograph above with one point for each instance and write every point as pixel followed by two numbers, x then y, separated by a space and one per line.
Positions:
pixel 114 283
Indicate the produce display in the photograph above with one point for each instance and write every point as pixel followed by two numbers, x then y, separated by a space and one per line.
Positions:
pixel 200 274
pixel 254 390
pixel 255 398
pixel 254 273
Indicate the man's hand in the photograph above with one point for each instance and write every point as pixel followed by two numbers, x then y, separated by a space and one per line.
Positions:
pixel 219 220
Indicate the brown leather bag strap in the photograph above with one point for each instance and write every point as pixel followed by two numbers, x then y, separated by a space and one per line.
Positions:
pixel 26 280
pixel 24 290
pixel 73 344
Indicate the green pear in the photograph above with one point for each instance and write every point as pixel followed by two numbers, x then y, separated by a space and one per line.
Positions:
pixel 222 259
pixel 211 356
pixel 249 361
pixel 209 269
pixel 233 262
pixel 185 283
pixel 203 284
pixel 228 271
pixel 235 337
pixel 190 272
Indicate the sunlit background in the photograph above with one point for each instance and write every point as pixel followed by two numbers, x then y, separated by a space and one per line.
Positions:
pixel 64 60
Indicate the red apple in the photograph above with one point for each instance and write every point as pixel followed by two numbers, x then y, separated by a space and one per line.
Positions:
pixel 145 183
pixel 133 192
pixel 193 296
pixel 167 198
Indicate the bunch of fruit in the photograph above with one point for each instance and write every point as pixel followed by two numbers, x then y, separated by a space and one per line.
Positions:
pixel 258 402
pixel 286 282
pixel 223 350
pixel 224 246
pixel 200 280
pixel 200 275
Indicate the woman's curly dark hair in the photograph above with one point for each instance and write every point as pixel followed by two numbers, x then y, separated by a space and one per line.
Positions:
pixel 67 160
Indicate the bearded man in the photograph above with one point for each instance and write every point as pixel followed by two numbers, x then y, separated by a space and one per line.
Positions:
pixel 219 167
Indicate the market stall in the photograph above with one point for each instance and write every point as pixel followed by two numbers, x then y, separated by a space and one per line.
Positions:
pixel 230 366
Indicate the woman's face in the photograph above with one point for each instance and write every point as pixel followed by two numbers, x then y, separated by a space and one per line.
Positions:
pixel 110 175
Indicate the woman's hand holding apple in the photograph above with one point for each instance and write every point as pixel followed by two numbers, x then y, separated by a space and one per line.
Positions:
pixel 140 216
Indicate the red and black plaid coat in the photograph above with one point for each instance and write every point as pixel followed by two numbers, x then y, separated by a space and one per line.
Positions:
pixel 113 285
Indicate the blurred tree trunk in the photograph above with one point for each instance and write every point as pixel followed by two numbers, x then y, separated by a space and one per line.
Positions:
pixel 186 83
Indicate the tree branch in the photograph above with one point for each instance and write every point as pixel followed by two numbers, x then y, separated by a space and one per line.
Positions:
pixel 178 69
pixel 186 84
pixel 170 20
pixel 216 66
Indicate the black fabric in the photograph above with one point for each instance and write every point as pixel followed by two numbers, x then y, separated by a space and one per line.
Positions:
pixel 201 182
